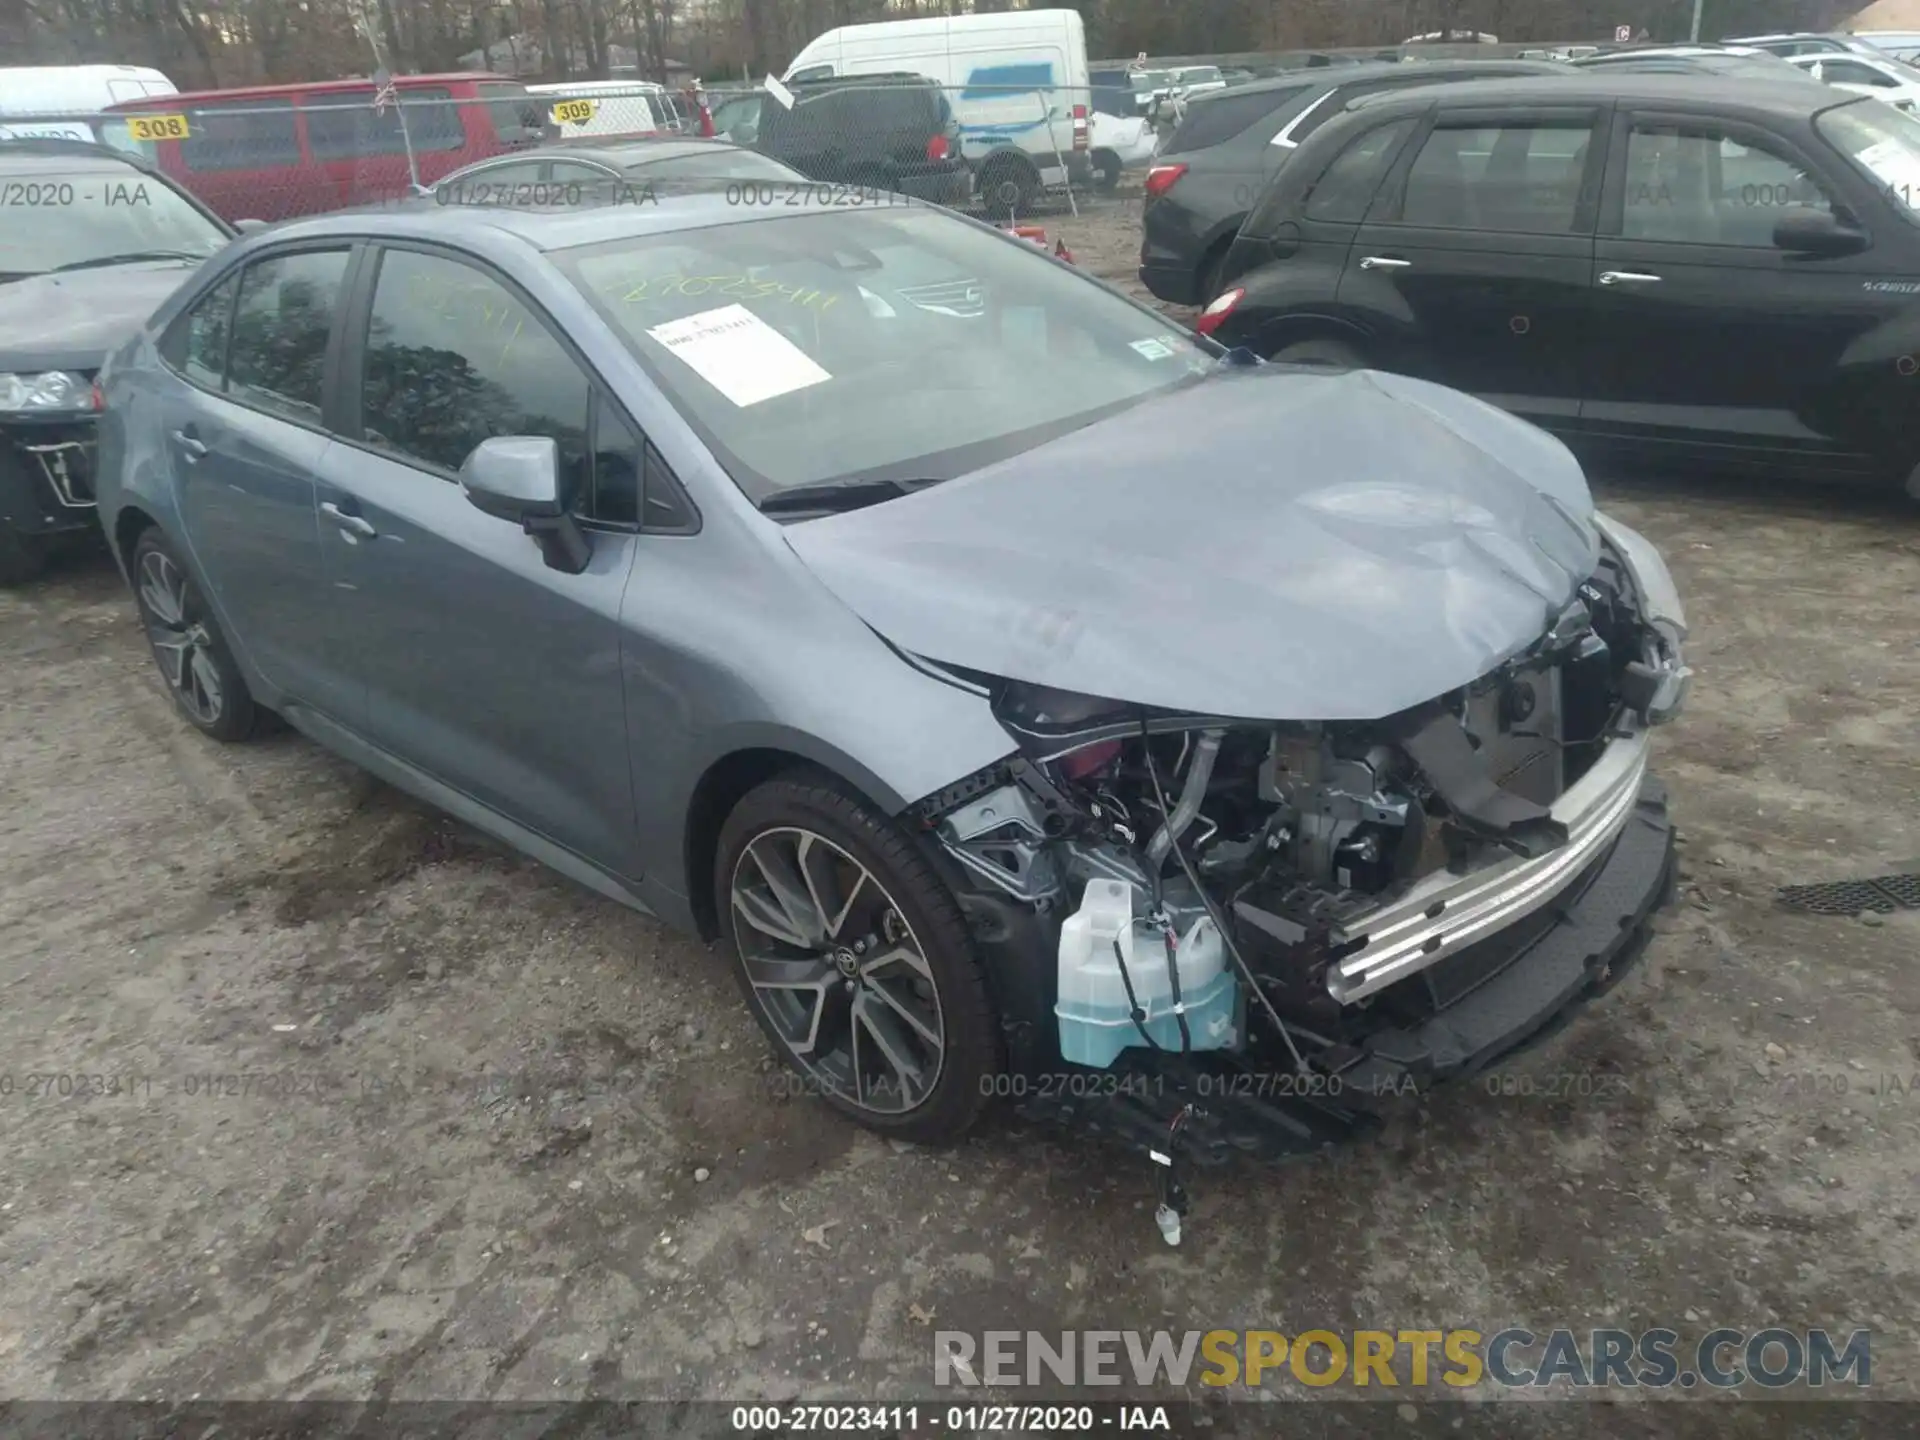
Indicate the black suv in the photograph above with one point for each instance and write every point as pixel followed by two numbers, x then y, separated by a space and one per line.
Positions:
pixel 1667 267
pixel 881 132
pixel 1232 142
pixel 91 241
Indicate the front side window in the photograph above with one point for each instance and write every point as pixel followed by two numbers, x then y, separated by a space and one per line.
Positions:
pixel 1697 184
pixel 453 358
pixel 1345 188
pixel 1883 144
pixel 874 343
pixel 240 135
pixel 277 358
pixel 518 118
pixel 80 218
pixel 1523 179
pixel 1839 71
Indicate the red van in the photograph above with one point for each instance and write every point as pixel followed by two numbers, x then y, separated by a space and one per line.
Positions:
pixel 272 152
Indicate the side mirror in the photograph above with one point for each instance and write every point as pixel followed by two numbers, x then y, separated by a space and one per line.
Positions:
pixel 517 478
pixel 249 227
pixel 1816 233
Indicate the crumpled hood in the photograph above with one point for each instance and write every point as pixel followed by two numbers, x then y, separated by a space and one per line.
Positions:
pixel 1268 544
pixel 72 321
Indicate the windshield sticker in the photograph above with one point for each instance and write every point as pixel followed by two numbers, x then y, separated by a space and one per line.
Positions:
pixel 736 286
pixel 1897 167
pixel 739 354
pixel 1151 348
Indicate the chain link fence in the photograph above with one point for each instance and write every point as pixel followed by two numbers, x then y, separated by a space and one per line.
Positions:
pixel 275 156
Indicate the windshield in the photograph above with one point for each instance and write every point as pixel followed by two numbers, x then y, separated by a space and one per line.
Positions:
pixel 875 344
pixel 724 162
pixel 1146 80
pixel 1884 143
pixel 64 219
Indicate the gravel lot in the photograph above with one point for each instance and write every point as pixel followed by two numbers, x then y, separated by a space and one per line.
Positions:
pixel 487 1136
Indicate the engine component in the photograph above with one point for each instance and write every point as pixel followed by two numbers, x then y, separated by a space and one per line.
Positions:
pixel 1192 795
pixel 1002 839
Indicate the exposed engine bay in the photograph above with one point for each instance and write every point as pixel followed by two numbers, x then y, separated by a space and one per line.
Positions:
pixel 1223 885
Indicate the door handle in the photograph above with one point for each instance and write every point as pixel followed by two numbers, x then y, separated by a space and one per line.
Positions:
pixel 1383 262
pixel 192 447
pixel 1627 277
pixel 353 525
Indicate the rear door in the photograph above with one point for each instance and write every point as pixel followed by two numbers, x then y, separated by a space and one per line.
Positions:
pixel 484 668
pixel 1709 342
pixel 242 417
pixel 1476 256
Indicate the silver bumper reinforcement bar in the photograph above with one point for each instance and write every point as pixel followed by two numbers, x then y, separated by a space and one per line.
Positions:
pixel 1446 912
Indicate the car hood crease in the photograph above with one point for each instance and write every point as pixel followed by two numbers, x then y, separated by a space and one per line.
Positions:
pixel 1270 543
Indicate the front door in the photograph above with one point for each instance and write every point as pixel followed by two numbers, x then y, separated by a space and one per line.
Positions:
pixel 1710 343
pixel 1478 254
pixel 483 667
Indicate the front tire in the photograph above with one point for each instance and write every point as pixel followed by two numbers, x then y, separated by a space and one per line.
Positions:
pixel 855 959
pixel 187 645
pixel 1010 186
pixel 23 558
pixel 1322 353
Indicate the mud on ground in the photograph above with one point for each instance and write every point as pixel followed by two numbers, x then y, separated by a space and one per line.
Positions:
pixel 403 1116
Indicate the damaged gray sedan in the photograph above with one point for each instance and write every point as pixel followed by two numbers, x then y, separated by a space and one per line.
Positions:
pixel 1036 699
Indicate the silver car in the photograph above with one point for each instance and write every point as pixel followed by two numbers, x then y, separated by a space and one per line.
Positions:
pixel 1034 698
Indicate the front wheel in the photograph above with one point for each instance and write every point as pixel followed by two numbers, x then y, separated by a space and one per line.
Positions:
pixel 188 647
pixel 1010 186
pixel 855 959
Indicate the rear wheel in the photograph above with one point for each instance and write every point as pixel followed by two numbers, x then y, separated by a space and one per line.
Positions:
pixel 1325 353
pixel 1010 186
pixel 855 959
pixel 187 646
pixel 1106 171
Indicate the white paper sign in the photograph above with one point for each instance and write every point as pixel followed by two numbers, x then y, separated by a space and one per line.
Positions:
pixel 1623 33
pixel 1897 168
pixel 739 354
pixel 1153 349
pixel 780 93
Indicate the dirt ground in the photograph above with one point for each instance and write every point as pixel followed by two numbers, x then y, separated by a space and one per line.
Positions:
pixel 396 1115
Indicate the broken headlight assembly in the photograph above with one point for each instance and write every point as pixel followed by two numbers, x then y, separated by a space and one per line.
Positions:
pixel 50 392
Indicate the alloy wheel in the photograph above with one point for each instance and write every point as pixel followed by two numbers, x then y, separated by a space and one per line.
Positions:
pixel 836 969
pixel 180 640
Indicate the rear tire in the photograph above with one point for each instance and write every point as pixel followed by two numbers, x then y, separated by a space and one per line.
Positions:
pixel 23 558
pixel 1106 171
pixel 1010 186
pixel 187 645
pixel 1322 353
pixel 881 1009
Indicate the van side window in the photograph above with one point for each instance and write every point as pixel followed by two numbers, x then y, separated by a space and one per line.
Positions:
pixel 811 73
pixel 253 134
pixel 343 125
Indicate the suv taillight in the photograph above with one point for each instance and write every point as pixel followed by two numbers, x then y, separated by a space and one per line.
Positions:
pixel 938 149
pixel 99 397
pixel 1215 315
pixel 1161 178
pixel 1079 127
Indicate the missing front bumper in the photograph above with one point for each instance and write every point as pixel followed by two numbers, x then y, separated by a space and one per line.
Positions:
pixel 1511 990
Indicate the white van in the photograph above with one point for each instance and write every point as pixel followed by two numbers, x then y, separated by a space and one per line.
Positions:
pixel 34 98
pixel 1017 81
pixel 583 108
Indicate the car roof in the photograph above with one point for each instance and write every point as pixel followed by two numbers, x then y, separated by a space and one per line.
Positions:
pixel 47 156
pixel 1334 76
pixel 616 153
pixel 1781 98
pixel 561 226
pixel 311 87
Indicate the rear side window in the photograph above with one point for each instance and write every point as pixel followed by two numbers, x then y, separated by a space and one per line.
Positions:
pixel 196 343
pixel 1345 188
pixel 278 356
pixel 1210 122
pixel 345 125
pixel 518 118
pixel 1519 178
pixel 240 135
